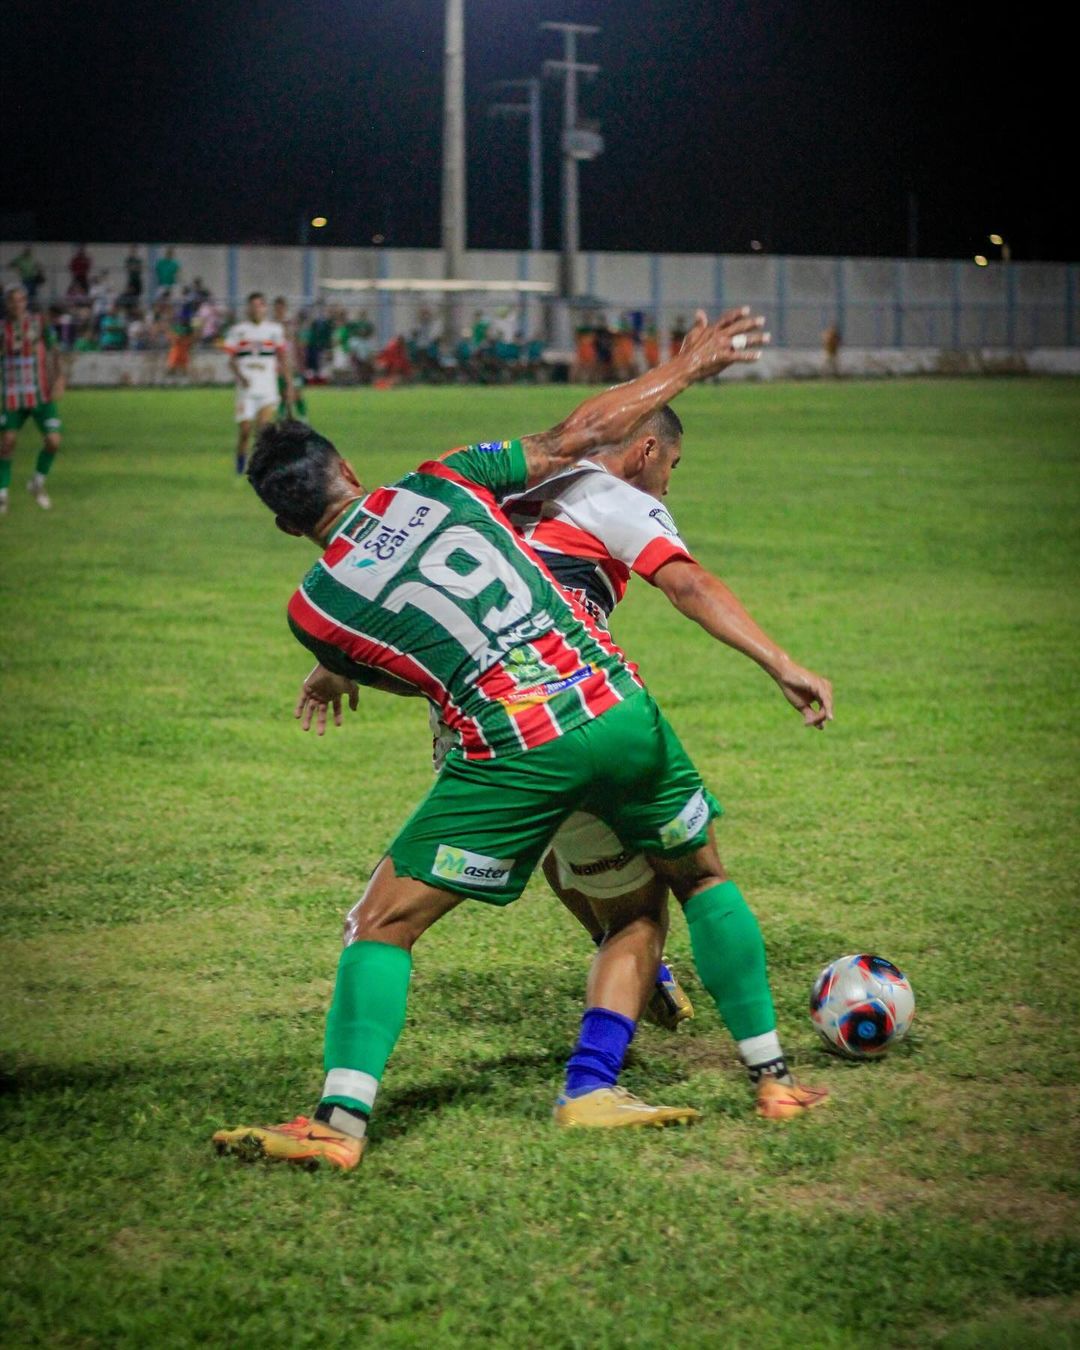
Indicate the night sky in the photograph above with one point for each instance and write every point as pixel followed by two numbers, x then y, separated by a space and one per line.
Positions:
pixel 803 125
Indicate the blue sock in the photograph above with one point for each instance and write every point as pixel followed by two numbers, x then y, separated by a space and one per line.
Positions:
pixel 599 1052
pixel 241 461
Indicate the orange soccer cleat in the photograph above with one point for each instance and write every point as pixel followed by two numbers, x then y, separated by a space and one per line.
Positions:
pixel 302 1141
pixel 785 1101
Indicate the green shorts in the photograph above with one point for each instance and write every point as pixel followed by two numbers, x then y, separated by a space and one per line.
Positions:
pixel 46 415
pixel 484 826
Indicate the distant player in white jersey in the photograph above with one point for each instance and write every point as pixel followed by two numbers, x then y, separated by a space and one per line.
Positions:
pixel 258 354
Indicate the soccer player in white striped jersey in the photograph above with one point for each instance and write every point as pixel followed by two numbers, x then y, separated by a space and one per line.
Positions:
pixel 592 526
pixel 258 354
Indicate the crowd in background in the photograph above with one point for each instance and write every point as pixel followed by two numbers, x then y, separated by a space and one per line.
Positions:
pixel 161 310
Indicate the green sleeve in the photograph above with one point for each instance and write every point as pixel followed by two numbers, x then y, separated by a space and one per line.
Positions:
pixel 498 466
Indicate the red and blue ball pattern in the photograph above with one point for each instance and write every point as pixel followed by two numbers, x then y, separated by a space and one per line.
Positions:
pixel 861 1004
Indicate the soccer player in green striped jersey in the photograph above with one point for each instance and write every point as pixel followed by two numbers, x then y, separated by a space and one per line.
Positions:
pixel 31 383
pixel 424 588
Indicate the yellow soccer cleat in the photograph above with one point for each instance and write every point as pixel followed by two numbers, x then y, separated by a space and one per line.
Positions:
pixel 613 1108
pixel 302 1141
pixel 785 1101
pixel 669 1004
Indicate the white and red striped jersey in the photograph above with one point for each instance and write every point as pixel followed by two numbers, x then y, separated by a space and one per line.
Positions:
pixel 592 529
pixel 255 348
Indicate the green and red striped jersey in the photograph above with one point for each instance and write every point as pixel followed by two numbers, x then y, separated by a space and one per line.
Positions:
pixel 425 580
pixel 24 366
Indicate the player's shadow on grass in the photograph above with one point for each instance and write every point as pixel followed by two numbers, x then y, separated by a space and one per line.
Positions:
pixel 525 1083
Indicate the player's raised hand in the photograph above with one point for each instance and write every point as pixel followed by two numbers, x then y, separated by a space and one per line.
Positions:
pixel 322 690
pixel 737 336
pixel 808 693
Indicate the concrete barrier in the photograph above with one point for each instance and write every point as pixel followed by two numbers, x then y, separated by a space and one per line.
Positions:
pixel 148 369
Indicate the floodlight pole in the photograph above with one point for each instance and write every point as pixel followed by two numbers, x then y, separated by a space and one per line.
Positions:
pixel 570 68
pixel 453 175
pixel 536 168
pixel 536 171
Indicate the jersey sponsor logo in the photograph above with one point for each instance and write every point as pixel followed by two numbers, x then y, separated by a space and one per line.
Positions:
pixel 664 520
pixel 491 447
pixel 540 693
pixel 690 821
pixel 471 869
pixel 524 666
pixel 383 545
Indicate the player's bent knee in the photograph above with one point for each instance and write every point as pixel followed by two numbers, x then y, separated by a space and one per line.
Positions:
pixel 691 873
pixel 395 910
pixel 644 903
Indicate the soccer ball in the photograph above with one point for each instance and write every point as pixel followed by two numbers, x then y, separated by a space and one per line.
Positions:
pixel 861 1005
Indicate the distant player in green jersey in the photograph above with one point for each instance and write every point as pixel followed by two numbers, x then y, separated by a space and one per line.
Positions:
pixel 31 385
pixel 299 407
pixel 424 588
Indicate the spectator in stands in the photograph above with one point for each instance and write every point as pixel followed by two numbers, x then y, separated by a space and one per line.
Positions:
pixel 340 333
pixel 112 332
pixel 79 267
pixel 362 347
pixel 138 335
pixel 584 366
pixel 208 321
pixel 31 273
pixel 651 346
pixel 63 325
pixel 166 272
pixel 605 351
pixel 479 329
pixel 392 363
pixel 133 269
pixel 830 344
pixel 101 299
pixel 181 340
pixel 320 336
pixel 678 332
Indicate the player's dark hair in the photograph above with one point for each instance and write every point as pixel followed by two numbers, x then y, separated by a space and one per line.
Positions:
pixel 255 295
pixel 664 424
pixel 293 470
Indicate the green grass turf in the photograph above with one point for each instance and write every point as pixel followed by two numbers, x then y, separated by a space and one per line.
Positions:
pixel 177 858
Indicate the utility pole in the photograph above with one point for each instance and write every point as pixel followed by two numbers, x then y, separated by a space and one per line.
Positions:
pixel 577 143
pixel 531 109
pixel 453 175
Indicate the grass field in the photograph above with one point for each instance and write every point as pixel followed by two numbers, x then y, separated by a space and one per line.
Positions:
pixel 177 858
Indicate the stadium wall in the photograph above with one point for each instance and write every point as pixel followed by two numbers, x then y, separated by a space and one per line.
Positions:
pixel 878 304
pixel 140 369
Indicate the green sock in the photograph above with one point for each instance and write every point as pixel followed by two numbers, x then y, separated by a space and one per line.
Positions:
pixel 366 1018
pixel 44 461
pixel 5 473
pixel 729 953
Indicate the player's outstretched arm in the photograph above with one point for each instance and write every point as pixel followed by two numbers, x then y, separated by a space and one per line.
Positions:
pixel 324 689
pixel 699 595
pixel 608 418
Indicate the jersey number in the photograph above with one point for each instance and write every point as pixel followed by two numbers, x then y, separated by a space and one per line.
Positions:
pixel 483 565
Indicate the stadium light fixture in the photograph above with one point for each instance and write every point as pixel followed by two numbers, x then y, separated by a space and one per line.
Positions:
pixel 981 260
pixel 319 222
pixel 1000 242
